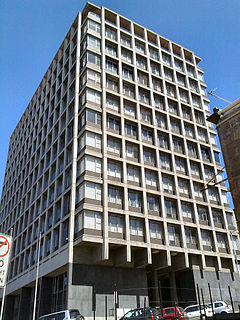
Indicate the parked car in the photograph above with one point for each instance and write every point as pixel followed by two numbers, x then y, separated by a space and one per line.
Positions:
pixel 195 311
pixel 221 307
pixel 141 314
pixel 172 313
pixel 63 315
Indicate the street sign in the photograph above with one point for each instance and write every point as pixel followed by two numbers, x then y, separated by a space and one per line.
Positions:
pixel 5 245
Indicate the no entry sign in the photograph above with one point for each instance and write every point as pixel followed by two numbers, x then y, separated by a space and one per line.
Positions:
pixel 5 245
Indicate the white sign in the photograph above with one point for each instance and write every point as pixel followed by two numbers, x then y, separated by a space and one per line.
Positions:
pixel 5 245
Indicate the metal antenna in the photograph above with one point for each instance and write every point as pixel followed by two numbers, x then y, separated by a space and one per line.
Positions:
pixel 212 94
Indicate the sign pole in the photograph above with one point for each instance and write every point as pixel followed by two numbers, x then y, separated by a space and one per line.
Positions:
pixel 6 257
pixel 36 282
pixel 3 300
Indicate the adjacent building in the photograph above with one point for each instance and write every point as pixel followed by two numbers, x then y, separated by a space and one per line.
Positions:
pixel 228 126
pixel 107 170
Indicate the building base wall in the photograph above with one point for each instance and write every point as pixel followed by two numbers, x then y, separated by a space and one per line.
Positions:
pixel 219 285
pixel 93 287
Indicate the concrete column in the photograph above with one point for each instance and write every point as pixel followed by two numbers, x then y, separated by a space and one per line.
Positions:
pixel 173 288
pixel 45 296
pixel 24 303
pixel 9 308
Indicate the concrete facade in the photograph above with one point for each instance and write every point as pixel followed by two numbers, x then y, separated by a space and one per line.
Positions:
pixel 109 163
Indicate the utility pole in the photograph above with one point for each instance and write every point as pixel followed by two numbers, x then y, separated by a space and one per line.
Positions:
pixel 36 281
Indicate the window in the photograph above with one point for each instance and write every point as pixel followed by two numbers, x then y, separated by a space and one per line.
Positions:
pixel 114 195
pixel 141 62
pixel 172 107
pixel 112 66
pixel 206 238
pixel 161 121
pixel 139 46
pixel 178 64
pixel 113 146
pixel 213 194
pixel 147 135
pixel 192 150
pixel 130 129
pixel 175 126
pixel 180 165
pixel 93 58
pixel 151 178
pixel 166 59
pixel 110 33
pixel 153 53
pixel 183 95
pixel 188 130
pixel 90 190
pixel 173 235
pixel 127 73
pixel 125 40
pixel 198 190
pixel 196 100
pixel 155 68
pixel 158 102
pixel 111 49
pixel 165 161
pixel 230 219
pixel 187 210
pixel 155 230
pixel 152 203
pixel 92 220
pixel 134 199
pixel 183 187
pixel 136 227
pixel 91 96
pixel 113 103
pixel 89 163
pixel 205 154
pixel 115 224
pixel 112 84
pixel 235 243
pixel 146 115
pixel 90 116
pixel 114 169
pixel 92 25
pixel 127 55
pixel 171 91
pixel 168 184
pixel 129 109
pixel 202 213
pixel 217 157
pixel 131 151
pixel 90 139
pixel 190 236
pixel 143 78
pixel 181 79
pixel 149 156
pixel 92 77
pixel 133 174
pixel 190 70
pixel 157 85
pixel 144 96
pixel 221 241
pixel 200 76
pixel 93 42
pixel 195 169
pixel 193 85
pixel 163 141
pixel 128 90
pixel 177 145
pixel 113 124
pixel 217 216
pixel 213 139
pixel 168 74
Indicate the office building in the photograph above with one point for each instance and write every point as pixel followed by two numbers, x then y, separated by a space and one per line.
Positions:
pixel 108 165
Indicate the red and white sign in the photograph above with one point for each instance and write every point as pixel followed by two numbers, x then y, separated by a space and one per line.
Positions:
pixel 5 245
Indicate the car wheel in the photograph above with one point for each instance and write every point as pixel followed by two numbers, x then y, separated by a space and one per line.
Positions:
pixel 223 312
pixel 80 317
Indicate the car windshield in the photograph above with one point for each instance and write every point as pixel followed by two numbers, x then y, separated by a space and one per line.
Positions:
pixel 129 314
pixel 74 314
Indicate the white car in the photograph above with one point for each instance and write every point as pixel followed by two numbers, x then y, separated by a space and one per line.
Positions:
pixel 194 312
pixel 221 307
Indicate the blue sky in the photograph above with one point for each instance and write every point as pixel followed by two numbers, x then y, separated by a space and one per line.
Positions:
pixel 32 30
